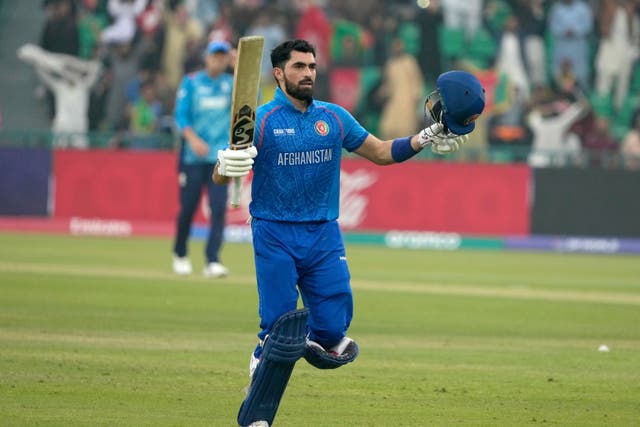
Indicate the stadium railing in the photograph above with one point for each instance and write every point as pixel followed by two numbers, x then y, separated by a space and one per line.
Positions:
pixel 40 138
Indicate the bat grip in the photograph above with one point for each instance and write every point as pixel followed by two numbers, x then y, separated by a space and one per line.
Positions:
pixel 235 192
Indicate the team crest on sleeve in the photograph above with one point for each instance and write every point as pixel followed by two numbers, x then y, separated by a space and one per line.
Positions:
pixel 322 128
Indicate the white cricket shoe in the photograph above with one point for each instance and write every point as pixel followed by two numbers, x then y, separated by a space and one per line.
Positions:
pixel 215 269
pixel 182 265
pixel 259 424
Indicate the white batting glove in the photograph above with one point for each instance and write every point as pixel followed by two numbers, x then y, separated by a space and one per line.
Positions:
pixel 446 144
pixel 427 135
pixel 235 163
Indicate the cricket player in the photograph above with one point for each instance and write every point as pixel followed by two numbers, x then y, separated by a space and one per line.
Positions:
pixel 203 117
pixel 298 246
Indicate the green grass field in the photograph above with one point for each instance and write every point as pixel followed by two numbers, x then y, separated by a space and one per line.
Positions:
pixel 99 332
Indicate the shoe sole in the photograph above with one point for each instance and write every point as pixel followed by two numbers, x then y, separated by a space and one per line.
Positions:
pixel 215 276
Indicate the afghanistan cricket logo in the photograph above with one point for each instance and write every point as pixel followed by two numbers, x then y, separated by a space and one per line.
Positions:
pixel 244 124
pixel 322 128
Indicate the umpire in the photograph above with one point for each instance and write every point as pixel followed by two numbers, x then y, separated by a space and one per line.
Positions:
pixel 202 115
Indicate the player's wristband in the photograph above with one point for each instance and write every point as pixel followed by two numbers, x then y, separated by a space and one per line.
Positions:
pixel 402 150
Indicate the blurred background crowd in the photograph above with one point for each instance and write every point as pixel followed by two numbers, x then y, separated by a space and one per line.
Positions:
pixel 561 76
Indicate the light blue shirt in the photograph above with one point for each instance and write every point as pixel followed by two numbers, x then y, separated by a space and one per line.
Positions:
pixel 297 170
pixel 204 104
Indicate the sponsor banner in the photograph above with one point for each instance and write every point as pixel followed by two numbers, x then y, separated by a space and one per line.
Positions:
pixel 78 226
pixel 24 181
pixel 475 199
pixel 423 240
pixel 395 239
pixel 127 185
pixel 601 245
pixel 439 241
pixel 116 185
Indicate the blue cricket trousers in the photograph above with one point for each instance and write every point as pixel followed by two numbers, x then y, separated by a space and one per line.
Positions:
pixel 309 258
pixel 193 178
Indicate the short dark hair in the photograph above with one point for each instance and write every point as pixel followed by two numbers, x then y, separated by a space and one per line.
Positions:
pixel 282 53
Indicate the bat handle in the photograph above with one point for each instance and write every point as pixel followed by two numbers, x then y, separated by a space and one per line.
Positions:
pixel 235 192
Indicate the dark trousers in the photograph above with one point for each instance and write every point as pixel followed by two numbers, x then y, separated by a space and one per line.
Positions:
pixel 192 180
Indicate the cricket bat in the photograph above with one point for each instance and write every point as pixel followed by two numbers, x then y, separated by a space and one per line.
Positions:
pixel 246 84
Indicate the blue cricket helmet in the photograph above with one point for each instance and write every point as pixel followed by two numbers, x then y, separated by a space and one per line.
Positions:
pixel 462 98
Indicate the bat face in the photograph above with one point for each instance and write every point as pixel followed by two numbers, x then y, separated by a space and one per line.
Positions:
pixel 244 124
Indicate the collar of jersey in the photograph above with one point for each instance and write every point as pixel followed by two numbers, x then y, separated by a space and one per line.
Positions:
pixel 282 99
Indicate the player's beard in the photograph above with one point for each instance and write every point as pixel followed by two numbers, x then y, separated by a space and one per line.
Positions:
pixel 298 92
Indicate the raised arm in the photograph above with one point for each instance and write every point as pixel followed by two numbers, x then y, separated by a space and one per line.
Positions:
pixel 400 149
pixel 451 109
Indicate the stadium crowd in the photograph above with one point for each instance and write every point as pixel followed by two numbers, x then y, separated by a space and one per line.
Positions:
pixel 561 76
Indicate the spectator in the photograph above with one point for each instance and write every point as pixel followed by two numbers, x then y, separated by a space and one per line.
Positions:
pixel 403 86
pixel 165 96
pixel 267 25
pixel 531 17
pixel 619 29
pixel 553 145
pixel 151 35
pixel 150 19
pixel 70 79
pixel 182 34
pixel 463 14
pixel 123 66
pixel 60 33
pixel 222 28
pixel 429 56
pixel 91 23
pixel 571 25
pixel 510 61
pixel 124 13
pixel 314 25
pixel 133 87
pixel 598 143
pixel 204 11
pixel 509 136
pixel 144 117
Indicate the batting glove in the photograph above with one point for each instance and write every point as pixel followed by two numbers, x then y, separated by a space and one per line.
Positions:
pixel 427 135
pixel 235 163
pixel 446 144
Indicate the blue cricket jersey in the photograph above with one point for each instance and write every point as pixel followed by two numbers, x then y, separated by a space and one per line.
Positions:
pixel 204 104
pixel 297 170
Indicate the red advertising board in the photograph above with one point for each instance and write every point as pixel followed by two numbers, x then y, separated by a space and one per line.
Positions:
pixel 435 196
pixel 116 184
pixel 416 195
pixel 129 185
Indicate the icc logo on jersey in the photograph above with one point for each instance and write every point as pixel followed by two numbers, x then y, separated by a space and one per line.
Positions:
pixel 322 128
